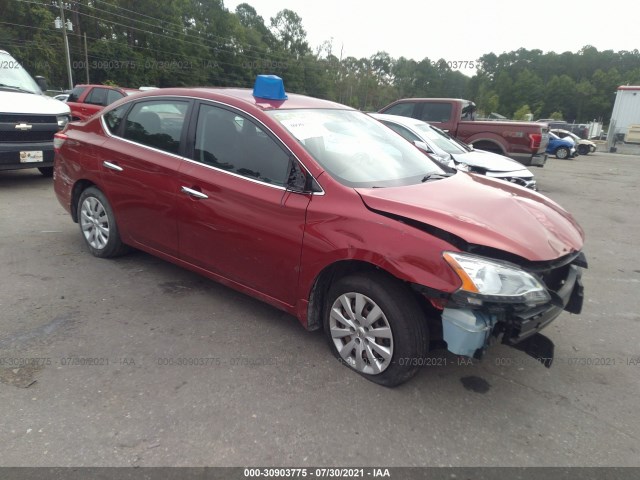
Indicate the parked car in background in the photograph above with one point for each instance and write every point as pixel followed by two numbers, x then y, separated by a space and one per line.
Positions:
pixel 323 212
pixel 85 100
pixel 456 154
pixel 579 129
pixel 62 97
pixel 561 147
pixel 521 141
pixel 583 146
pixel 28 119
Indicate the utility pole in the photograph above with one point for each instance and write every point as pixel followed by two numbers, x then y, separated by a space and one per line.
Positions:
pixel 66 45
pixel 86 56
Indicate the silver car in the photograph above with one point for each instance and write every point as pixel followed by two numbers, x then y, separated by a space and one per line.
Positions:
pixel 442 147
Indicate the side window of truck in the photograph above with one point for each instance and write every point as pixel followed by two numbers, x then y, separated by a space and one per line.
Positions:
pixel 436 112
pixel 404 109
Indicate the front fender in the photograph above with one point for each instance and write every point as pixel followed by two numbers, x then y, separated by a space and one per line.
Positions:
pixel 402 250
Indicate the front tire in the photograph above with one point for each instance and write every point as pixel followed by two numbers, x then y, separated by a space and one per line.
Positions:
pixel 375 326
pixel 98 225
pixel 562 153
pixel 584 149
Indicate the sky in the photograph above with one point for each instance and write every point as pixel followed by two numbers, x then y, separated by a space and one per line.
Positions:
pixel 458 30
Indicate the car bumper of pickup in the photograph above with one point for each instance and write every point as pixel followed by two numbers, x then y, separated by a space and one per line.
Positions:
pixel 530 160
pixel 469 332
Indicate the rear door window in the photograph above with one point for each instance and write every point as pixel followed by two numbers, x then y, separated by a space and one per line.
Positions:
pixel 435 112
pixel 75 94
pixel 157 124
pixel 97 96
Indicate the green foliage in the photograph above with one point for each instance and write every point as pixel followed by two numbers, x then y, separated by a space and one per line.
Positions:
pixel 522 113
pixel 556 116
pixel 196 43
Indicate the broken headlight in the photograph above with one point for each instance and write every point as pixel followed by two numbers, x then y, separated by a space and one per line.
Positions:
pixel 485 280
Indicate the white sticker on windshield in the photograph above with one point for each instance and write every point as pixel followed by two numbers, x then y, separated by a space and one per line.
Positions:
pixel 303 128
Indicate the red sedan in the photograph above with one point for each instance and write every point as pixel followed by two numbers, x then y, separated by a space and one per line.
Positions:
pixel 325 213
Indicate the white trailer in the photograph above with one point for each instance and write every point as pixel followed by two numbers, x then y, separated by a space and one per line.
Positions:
pixel 626 112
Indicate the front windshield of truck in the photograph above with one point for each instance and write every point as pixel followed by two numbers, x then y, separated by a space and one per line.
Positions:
pixel 14 77
pixel 356 149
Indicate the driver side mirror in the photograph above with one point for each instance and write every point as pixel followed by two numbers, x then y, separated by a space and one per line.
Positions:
pixel 42 83
pixel 422 146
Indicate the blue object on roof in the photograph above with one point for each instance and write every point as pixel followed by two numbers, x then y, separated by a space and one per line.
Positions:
pixel 270 87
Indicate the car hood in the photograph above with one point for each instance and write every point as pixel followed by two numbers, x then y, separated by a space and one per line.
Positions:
pixel 489 161
pixel 32 103
pixel 484 211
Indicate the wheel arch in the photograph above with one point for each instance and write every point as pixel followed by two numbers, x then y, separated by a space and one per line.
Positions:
pixel 339 269
pixel 79 187
pixel 488 144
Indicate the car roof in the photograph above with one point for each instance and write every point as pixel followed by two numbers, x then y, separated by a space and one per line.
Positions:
pixel 244 97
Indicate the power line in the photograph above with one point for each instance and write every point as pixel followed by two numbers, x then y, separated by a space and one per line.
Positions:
pixel 190 35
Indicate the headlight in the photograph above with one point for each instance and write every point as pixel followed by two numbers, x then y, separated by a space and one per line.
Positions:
pixel 492 281
pixel 62 121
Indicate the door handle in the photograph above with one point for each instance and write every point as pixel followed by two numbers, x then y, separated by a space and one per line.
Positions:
pixel 112 166
pixel 194 193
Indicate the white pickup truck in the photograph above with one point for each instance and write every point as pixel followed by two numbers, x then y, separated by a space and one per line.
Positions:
pixel 28 119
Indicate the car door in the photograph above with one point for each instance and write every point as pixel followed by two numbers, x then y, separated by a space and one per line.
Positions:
pixel 236 218
pixel 140 161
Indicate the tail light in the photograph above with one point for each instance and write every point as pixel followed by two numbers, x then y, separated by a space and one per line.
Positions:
pixel 58 141
pixel 535 140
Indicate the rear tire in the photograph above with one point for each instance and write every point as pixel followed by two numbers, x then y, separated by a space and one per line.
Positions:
pixel 375 326
pixel 562 153
pixel 46 171
pixel 98 225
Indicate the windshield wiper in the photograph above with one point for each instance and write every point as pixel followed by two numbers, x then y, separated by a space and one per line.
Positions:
pixel 435 176
pixel 13 87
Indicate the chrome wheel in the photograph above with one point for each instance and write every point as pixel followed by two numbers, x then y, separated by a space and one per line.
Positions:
pixel 361 333
pixel 562 153
pixel 94 222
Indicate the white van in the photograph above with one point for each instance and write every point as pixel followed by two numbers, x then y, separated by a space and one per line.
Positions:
pixel 28 119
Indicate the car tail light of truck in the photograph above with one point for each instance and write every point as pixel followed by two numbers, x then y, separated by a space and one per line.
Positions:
pixel 535 140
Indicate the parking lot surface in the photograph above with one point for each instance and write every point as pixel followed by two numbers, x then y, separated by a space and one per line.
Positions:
pixel 136 362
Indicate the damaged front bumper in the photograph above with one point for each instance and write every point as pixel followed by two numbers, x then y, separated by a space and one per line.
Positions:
pixel 470 331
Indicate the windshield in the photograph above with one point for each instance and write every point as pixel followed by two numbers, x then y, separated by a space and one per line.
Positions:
pixel 13 76
pixel 355 149
pixel 439 139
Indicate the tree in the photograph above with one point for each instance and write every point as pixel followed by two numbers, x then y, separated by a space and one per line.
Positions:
pixel 522 113
pixel 288 29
